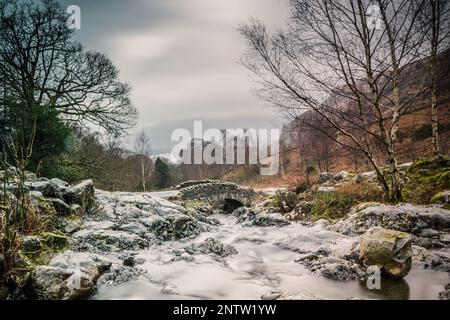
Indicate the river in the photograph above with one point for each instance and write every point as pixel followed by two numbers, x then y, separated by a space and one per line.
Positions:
pixel 261 267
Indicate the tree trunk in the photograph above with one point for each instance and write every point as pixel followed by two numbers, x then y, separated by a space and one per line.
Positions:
pixel 143 174
pixel 433 71
pixel 396 193
pixel 434 121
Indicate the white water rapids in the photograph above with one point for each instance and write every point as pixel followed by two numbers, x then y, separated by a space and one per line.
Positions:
pixel 261 266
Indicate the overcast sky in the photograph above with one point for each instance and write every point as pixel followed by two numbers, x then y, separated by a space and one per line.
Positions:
pixel 180 56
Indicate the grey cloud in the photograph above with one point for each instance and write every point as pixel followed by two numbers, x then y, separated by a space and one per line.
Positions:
pixel 179 55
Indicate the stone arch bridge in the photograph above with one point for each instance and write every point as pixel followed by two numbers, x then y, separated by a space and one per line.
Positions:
pixel 219 193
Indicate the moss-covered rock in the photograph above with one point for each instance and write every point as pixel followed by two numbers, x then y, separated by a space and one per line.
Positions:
pixel 31 244
pixel 390 250
pixel 83 194
pixel 426 178
pixel 55 239
pixel 331 206
pixel 61 208
pixel 442 197
pixel 302 210
pixel 21 261
pixel 285 200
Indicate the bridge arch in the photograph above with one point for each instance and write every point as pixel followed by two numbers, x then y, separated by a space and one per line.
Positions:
pixel 225 195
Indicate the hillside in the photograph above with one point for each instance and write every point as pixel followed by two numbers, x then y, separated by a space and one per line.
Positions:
pixel 414 136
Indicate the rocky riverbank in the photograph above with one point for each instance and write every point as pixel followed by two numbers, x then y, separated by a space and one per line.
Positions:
pixel 135 245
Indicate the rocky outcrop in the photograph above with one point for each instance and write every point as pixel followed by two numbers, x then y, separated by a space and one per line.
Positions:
pixel 301 212
pixel 431 259
pixel 119 274
pixel 342 175
pixel 402 217
pixel 370 177
pixel 325 177
pixel 388 249
pixel 212 246
pixel 328 178
pixel 127 221
pixel 70 275
pixel 109 242
pixel 10 174
pixel 54 193
pixel 330 254
pixel 340 257
pixel 286 200
pixel 333 266
pixel 250 217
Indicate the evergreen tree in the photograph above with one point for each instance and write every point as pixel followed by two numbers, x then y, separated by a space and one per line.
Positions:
pixel 42 126
pixel 161 175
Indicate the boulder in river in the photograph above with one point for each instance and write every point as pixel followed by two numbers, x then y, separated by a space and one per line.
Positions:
pixel 211 245
pixel 339 269
pixel 390 250
pixel 262 218
pixel 269 220
pixel 119 274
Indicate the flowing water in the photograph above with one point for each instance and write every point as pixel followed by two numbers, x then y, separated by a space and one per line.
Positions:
pixel 260 267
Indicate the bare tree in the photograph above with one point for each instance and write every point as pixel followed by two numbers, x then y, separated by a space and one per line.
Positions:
pixel 435 24
pixel 316 144
pixel 142 148
pixel 343 61
pixel 41 64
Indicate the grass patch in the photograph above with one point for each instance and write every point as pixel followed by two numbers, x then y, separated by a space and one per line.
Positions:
pixel 336 205
pixel 195 204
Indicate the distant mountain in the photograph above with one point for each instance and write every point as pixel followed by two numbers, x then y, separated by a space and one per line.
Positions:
pixel 160 133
